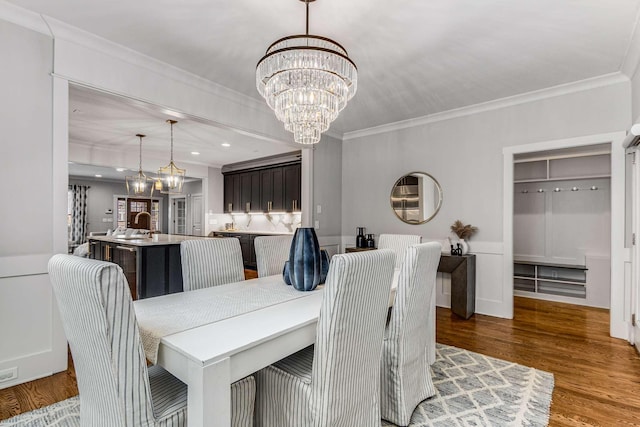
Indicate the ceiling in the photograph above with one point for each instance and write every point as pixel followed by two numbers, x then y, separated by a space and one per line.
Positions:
pixel 414 57
pixel 111 122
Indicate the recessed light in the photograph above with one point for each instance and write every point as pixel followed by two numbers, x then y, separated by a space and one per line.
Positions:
pixel 120 169
pixel 226 144
pixel 98 175
pixel 195 153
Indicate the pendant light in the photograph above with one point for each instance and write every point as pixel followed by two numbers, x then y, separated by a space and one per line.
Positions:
pixel 139 185
pixel 170 177
pixel 307 80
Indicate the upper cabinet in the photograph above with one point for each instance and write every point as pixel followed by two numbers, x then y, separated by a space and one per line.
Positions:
pixel 275 188
pixel 292 188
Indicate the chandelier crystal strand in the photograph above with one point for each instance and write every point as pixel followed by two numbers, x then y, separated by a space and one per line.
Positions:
pixel 307 80
pixel 139 185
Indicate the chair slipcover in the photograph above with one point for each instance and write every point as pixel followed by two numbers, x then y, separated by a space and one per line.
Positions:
pixel 210 262
pixel 117 389
pixel 337 381
pixel 271 254
pixel 398 243
pixel 405 373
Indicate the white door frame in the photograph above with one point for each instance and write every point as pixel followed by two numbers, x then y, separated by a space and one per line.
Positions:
pixel 635 250
pixel 619 325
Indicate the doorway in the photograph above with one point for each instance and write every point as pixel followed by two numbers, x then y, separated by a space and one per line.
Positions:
pixel 619 294
pixel 178 215
pixel 562 225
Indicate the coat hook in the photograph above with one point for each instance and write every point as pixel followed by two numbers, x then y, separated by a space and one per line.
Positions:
pixel 593 187
pixel 574 189
pixel 557 189
pixel 540 190
pixel 524 191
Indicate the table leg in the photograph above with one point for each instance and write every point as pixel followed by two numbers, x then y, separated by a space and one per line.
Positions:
pixel 209 394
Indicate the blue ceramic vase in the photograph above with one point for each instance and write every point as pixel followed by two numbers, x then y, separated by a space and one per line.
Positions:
pixel 324 265
pixel 324 268
pixel 305 263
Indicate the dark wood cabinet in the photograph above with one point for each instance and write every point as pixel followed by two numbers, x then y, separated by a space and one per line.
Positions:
pixel 150 270
pixel 246 245
pixel 272 189
pixel 275 188
pixel 292 188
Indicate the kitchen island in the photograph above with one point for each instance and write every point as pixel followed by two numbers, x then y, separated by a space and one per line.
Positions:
pixel 151 265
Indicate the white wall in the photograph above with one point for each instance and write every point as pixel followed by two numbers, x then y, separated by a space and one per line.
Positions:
pixel 31 331
pixel 464 153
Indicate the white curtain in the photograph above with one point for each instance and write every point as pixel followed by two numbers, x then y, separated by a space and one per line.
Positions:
pixel 78 229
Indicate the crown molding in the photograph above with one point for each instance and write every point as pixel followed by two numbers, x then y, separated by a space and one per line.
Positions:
pixel 64 31
pixel 550 92
pixel 23 17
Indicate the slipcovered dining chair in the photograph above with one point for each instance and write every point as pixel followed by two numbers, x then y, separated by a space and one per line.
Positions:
pixel 337 381
pixel 271 254
pixel 398 243
pixel 211 262
pixel 117 389
pixel 405 373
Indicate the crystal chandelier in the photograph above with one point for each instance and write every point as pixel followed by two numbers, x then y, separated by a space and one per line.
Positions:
pixel 307 80
pixel 139 185
pixel 170 177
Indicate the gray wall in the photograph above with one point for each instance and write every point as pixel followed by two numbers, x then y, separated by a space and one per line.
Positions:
pixel 215 190
pixel 327 186
pixel 465 155
pixel 100 198
pixel 192 187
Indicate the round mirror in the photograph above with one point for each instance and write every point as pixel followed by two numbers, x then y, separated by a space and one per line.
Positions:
pixel 416 197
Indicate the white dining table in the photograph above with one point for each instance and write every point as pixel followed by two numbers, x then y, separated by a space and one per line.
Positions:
pixel 210 357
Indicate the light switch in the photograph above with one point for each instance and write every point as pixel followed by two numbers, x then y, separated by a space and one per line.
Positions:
pixel 319 208
pixel 317 225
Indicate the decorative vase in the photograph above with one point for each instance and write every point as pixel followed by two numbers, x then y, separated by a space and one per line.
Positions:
pixel 305 264
pixel 465 246
pixel 285 273
pixel 324 265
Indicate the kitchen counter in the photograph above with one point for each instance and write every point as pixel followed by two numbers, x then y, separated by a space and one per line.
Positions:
pixel 156 240
pixel 152 265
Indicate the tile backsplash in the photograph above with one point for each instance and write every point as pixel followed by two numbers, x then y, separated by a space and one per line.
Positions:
pixel 282 222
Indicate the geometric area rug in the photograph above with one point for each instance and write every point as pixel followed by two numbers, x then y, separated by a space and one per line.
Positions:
pixel 477 390
pixel 471 390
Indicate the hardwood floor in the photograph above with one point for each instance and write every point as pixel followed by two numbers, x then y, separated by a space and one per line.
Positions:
pixel 597 378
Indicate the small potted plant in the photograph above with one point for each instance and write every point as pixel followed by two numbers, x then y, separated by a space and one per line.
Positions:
pixel 464 232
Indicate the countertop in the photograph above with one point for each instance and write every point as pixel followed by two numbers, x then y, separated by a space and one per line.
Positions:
pixel 156 240
pixel 257 232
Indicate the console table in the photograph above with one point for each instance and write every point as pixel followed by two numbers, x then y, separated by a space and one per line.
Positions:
pixel 463 280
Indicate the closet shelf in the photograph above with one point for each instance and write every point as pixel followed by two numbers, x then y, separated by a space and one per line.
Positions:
pixel 568 178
